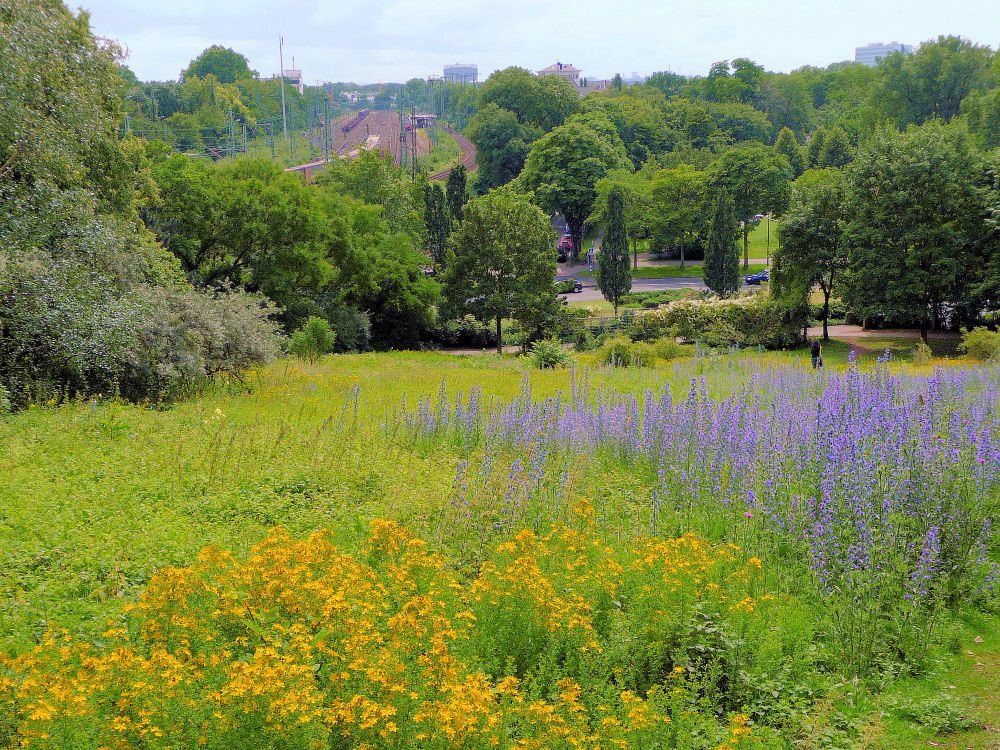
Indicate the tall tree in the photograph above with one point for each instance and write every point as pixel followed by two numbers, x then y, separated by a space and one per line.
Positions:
pixel 614 274
pixel 757 181
pixel 815 147
pixel 564 166
pixel 789 147
pixel 932 82
pixel 721 269
pixel 502 145
pixel 543 102
pixel 813 250
pixel 500 262
pixel 681 209
pixel 836 152
pixel 437 220
pixel 916 210
pixel 225 64
pixel 456 192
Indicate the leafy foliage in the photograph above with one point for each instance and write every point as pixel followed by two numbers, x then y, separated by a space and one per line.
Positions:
pixel 565 165
pixel 314 339
pixel 501 263
pixel 614 272
pixel 721 270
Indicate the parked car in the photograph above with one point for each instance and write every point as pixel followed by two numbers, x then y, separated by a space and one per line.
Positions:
pixel 756 278
pixel 568 285
pixel 564 248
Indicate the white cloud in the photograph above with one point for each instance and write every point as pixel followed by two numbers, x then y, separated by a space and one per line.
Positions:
pixel 399 39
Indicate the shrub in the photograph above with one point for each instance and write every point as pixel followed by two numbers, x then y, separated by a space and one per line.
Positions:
pixel 668 348
pixel 616 352
pixel 467 331
pixel 648 327
pixel 756 320
pixel 187 336
pixel 584 340
pixel 623 352
pixel 980 343
pixel 314 339
pixel 548 353
pixel 73 330
pixel 922 353
pixel 351 327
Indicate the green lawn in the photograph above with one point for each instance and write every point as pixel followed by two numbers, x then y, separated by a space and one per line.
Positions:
pixel 758 240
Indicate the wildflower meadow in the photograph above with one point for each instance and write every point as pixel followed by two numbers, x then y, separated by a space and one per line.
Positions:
pixel 416 550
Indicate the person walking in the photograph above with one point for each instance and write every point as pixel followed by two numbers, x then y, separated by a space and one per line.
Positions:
pixel 816 350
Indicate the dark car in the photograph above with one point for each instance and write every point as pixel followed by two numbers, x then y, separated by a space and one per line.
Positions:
pixel 756 278
pixel 568 285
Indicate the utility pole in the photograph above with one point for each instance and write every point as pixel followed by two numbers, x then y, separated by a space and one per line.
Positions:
pixel 281 62
pixel 326 128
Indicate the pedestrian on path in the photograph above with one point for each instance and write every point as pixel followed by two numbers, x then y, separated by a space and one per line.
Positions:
pixel 816 350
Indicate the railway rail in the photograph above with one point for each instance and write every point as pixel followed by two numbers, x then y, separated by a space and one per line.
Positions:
pixel 466 156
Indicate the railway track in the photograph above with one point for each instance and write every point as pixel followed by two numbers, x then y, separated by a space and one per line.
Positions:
pixel 466 156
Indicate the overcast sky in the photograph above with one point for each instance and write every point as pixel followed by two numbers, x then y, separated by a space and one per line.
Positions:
pixel 368 41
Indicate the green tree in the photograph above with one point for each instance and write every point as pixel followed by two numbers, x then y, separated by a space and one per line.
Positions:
pixel 931 82
pixel 813 249
pixel 501 263
pixel 614 274
pixel 741 122
pixel 836 152
pixel 671 84
pixel 721 269
pixel 789 147
pixel 815 147
pixel 502 145
pixel 437 220
pixel 226 65
pixel 916 206
pixel 544 102
pixel 757 181
pixel 456 192
pixel 680 208
pixel 314 339
pixel 565 165
pixel 635 187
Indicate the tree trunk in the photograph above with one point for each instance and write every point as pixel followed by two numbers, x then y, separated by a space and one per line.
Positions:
pixel 635 255
pixel 746 246
pixel 576 233
pixel 682 255
pixel 826 315
pixel 499 336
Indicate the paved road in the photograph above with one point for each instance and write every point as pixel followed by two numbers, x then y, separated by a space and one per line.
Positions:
pixel 591 293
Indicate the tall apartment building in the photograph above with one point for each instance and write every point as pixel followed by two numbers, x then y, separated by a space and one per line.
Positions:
pixel 461 73
pixel 870 54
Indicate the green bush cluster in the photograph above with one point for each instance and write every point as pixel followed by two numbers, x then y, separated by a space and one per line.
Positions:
pixel 652 300
pixel 980 343
pixel 314 339
pixel 549 353
pixel 622 351
pixel 755 320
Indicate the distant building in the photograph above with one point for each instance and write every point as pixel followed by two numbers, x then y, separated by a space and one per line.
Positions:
pixel 870 54
pixel 582 85
pixel 563 70
pixel 294 78
pixel 461 73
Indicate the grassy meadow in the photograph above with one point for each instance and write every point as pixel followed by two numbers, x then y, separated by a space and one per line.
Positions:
pixel 423 550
